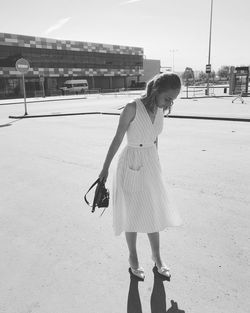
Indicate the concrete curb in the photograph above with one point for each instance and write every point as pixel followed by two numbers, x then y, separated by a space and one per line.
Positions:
pixel 236 119
pixel 53 115
pixel 47 99
pixel 39 101
pixel 62 98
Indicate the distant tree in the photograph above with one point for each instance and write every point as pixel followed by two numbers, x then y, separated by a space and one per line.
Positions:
pixel 224 71
pixel 188 75
pixel 202 75
pixel 212 74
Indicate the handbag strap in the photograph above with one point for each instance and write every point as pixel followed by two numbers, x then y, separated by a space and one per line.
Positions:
pixel 97 181
pixel 102 212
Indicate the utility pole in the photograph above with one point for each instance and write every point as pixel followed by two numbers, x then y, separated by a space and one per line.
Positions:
pixel 208 67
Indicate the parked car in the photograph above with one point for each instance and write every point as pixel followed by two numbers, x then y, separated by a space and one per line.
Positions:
pixel 74 86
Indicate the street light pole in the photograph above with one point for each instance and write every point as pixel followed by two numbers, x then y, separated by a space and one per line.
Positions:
pixel 173 51
pixel 209 49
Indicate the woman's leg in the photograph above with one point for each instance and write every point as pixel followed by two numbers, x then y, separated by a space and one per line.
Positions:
pixel 154 239
pixel 131 241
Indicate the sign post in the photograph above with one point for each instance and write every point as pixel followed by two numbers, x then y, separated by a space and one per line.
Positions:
pixel 22 66
pixel 208 71
pixel 208 68
pixel 24 95
pixel 209 49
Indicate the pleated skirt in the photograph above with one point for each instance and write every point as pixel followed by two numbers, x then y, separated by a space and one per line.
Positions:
pixel 140 202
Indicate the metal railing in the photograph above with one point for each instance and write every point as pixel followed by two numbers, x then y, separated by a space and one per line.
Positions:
pixel 201 91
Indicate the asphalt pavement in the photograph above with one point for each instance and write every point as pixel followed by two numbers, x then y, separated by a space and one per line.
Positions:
pixel 57 256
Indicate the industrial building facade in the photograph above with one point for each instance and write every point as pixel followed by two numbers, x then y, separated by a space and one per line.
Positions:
pixel 53 61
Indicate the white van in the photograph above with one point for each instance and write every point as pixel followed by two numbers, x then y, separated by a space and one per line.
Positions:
pixel 74 86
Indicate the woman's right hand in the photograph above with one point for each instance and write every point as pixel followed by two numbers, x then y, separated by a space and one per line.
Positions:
pixel 104 175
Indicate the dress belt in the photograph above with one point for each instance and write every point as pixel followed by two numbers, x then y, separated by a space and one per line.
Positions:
pixel 142 145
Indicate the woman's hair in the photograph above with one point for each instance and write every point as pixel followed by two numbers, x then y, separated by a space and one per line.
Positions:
pixel 159 83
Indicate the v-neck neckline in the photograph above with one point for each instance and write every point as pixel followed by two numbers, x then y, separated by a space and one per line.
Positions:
pixel 152 123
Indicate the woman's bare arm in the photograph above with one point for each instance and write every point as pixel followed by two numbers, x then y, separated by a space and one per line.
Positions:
pixel 126 117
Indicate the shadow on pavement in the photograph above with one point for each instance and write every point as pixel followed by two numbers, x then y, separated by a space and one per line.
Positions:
pixel 157 299
pixel 10 123
pixel 134 301
pixel 174 308
pixel 4 125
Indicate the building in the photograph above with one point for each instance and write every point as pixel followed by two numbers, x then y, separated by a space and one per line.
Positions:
pixel 53 61
pixel 150 68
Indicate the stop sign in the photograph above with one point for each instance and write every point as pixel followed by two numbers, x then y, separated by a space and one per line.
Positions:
pixel 22 66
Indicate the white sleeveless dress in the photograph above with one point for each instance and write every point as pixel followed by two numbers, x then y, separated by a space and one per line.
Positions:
pixel 139 197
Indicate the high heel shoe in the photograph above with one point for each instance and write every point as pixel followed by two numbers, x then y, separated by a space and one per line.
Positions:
pixel 162 272
pixel 137 273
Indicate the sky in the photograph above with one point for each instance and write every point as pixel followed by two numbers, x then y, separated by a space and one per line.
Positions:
pixel 158 26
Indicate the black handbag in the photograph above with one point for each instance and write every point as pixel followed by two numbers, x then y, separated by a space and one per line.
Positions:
pixel 101 198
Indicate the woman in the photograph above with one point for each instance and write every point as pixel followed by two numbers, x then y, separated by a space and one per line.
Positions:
pixel 140 200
